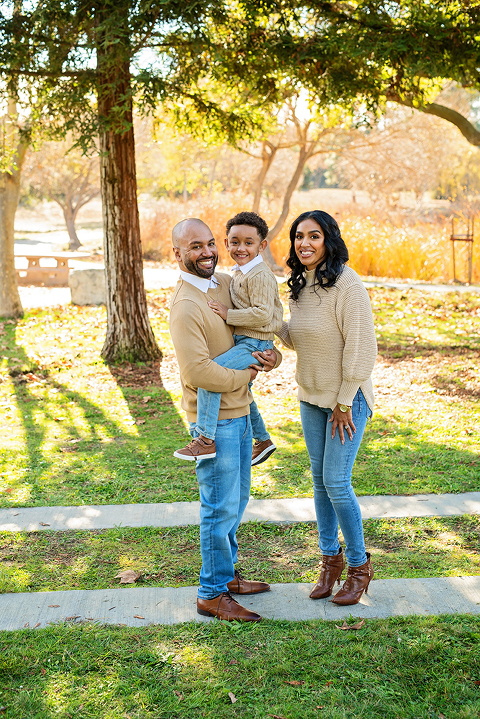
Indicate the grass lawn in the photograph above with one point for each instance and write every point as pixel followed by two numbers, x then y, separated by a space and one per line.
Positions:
pixel 44 561
pixel 80 432
pixel 415 668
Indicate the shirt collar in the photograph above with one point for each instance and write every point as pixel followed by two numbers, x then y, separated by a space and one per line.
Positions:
pixel 202 283
pixel 249 266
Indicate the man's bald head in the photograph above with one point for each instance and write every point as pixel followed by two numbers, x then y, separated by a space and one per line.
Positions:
pixel 185 228
pixel 194 247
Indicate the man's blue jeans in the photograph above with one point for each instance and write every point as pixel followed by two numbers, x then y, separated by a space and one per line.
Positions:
pixel 224 484
pixel 208 403
pixel 332 464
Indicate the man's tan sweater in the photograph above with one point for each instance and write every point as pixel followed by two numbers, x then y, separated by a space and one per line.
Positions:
pixel 258 311
pixel 198 336
pixel 333 335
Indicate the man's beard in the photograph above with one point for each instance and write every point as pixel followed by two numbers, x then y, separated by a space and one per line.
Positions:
pixel 198 270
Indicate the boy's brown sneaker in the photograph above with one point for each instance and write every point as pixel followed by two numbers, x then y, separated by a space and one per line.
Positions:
pixel 196 449
pixel 262 451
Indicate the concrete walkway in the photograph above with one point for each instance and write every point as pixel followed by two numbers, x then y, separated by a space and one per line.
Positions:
pixel 183 513
pixel 153 605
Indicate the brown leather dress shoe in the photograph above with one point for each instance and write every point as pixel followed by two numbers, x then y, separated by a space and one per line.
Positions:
pixel 239 585
pixel 358 579
pixel 331 571
pixel 225 607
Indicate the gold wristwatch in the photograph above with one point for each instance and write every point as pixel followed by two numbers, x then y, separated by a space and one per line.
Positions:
pixel 344 407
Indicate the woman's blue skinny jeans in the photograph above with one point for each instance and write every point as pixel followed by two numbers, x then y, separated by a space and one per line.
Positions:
pixel 332 464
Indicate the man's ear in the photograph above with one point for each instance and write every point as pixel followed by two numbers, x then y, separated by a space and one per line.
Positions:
pixel 262 246
pixel 177 254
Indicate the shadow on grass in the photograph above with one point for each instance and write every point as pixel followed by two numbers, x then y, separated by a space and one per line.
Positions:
pixel 393 459
pixel 72 452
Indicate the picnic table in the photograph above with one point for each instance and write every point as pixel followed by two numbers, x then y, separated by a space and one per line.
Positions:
pixel 46 269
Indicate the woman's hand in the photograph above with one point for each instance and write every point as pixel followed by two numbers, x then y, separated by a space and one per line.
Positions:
pixel 267 359
pixel 218 308
pixel 344 422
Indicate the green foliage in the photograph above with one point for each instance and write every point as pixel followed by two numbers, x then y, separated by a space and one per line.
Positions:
pixel 79 66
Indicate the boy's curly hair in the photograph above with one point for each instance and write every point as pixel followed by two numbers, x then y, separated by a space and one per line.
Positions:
pixel 252 220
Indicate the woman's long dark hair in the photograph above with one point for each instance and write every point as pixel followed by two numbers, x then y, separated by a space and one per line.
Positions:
pixel 336 254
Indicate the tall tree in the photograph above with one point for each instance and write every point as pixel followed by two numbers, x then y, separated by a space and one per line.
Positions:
pixel 123 52
pixel 14 147
pixel 11 163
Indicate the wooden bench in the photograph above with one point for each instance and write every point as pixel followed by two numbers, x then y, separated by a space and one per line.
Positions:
pixel 52 273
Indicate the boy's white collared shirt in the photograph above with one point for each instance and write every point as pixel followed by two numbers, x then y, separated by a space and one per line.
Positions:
pixel 201 283
pixel 249 266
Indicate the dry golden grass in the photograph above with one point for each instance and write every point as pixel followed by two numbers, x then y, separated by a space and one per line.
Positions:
pixel 378 247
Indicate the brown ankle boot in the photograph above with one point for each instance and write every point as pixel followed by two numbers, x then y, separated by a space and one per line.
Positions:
pixel 332 568
pixel 358 579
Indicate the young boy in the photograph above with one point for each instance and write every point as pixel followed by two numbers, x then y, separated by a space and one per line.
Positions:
pixel 257 315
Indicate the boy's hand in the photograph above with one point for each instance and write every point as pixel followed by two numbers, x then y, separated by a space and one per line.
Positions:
pixel 218 308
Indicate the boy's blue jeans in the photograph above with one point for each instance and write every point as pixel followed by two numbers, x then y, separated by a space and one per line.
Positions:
pixel 332 464
pixel 208 403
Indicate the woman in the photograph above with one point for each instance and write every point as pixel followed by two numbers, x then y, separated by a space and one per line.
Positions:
pixel 331 330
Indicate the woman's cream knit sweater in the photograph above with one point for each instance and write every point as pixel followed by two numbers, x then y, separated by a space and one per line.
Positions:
pixel 333 335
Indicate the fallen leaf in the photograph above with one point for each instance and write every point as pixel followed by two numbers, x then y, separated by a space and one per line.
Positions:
pixel 179 694
pixel 43 671
pixel 138 616
pixel 476 682
pixel 74 616
pixel 146 399
pixel 294 683
pixel 346 627
pixel 27 624
pixel 276 716
pixel 232 697
pixel 44 524
pixel 36 625
pixel 139 421
pixel 15 514
pixel 128 576
pixel 234 661
pixel 111 609
pixel 54 605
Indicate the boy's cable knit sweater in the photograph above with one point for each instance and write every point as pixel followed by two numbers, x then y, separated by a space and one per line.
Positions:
pixel 333 335
pixel 258 312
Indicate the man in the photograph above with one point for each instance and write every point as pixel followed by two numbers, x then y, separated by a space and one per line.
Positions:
pixel 199 335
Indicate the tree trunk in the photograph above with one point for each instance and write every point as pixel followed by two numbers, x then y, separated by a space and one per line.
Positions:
pixel 267 159
pixel 69 214
pixel 10 303
pixel 303 156
pixel 129 334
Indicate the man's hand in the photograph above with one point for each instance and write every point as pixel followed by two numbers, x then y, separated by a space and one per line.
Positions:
pixel 267 359
pixel 218 308
pixel 253 372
